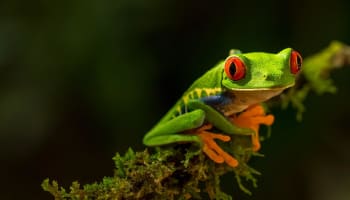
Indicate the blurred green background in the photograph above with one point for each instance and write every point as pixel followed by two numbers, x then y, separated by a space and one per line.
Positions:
pixel 81 80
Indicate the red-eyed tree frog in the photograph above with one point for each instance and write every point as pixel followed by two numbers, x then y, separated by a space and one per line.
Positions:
pixel 227 97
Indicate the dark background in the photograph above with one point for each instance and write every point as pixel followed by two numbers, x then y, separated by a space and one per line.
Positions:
pixel 81 80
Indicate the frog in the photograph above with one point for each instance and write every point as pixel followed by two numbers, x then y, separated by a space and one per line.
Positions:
pixel 229 98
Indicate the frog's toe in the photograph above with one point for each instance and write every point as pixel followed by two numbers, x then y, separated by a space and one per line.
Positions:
pixel 212 149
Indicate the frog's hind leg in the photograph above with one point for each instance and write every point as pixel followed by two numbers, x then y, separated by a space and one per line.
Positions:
pixel 171 131
pixel 252 118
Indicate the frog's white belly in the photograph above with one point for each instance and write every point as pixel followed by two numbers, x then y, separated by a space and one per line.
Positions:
pixel 242 99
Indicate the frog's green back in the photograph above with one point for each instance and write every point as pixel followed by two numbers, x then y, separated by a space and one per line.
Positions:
pixel 207 84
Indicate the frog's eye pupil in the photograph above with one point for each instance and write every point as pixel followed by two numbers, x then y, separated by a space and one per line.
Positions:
pixel 235 68
pixel 232 68
pixel 295 62
pixel 299 62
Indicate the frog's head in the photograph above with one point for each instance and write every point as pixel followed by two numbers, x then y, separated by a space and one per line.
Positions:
pixel 261 71
pixel 252 78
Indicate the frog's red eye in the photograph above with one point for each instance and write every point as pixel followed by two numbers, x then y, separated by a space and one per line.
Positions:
pixel 295 62
pixel 235 68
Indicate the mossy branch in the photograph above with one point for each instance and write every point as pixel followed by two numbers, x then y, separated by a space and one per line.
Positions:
pixel 177 172
pixel 181 171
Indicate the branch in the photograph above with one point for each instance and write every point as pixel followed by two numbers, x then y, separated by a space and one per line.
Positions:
pixel 181 171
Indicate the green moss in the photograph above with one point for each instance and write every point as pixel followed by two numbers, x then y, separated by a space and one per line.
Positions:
pixel 177 172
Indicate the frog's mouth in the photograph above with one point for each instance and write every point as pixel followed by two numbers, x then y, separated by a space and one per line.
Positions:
pixel 257 95
pixel 243 98
pixel 275 88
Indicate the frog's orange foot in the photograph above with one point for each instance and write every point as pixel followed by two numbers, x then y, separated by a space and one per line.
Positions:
pixel 252 118
pixel 213 150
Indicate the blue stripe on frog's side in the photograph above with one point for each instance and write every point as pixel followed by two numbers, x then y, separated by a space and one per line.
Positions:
pixel 223 102
pixel 202 94
pixel 217 100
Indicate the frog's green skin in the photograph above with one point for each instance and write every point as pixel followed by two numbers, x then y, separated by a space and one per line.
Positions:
pixel 213 97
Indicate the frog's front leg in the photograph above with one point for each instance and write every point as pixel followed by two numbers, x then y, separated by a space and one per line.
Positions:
pixel 210 148
pixel 216 119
